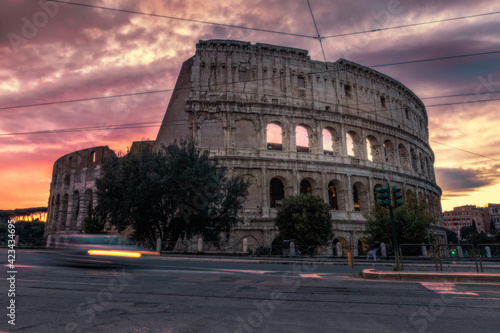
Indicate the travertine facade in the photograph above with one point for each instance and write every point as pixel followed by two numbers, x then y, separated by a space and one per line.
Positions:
pixel 72 189
pixel 363 129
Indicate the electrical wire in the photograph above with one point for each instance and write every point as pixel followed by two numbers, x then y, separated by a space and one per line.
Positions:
pixel 184 19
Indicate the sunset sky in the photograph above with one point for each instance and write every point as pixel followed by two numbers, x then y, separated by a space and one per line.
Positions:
pixel 52 52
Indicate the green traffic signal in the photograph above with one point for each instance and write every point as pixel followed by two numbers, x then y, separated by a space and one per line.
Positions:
pixel 397 197
pixel 384 196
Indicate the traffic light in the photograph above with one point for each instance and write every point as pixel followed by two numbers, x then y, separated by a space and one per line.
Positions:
pixel 397 198
pixel 453 252
pixel 384 196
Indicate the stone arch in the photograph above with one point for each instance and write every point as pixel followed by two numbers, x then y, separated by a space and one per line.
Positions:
pixel 333 195
pixel 57 211
pixel 344 246
pixel 354 145
pixel 246 135
pixel 253 242
pixel 414 160
pixel 403 156
pixel 331 141
pixel 303 138
pixel 409 193
pixel 274 136
pixel 64 211
pixel 389 153
pixel 360 197
pixel 276 191
pixel 305 186
pixel 423 167
pixel 212 134
pixel 373 149
pixel 363 246
pixel 66 181
pixel 75 209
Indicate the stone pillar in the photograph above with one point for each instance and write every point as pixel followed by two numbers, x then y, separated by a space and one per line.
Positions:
pixel 424 250
pixel 48 241
pixel 158 244
pixel 200 244
pixel 339 249
pixel 460 252
pixel 383 250
pixel 245 245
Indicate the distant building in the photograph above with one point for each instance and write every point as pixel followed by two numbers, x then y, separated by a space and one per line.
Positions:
pixel 464 216
pixel 494 215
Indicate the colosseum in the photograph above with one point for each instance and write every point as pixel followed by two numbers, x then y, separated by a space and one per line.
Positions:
pixel 290 125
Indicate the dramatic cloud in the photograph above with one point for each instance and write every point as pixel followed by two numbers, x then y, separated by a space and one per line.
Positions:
pixel 57 52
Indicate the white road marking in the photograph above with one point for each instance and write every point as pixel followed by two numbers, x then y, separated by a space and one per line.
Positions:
pixel 445 288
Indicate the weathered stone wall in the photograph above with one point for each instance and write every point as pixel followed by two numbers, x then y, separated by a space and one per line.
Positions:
pixel 73 188
pixel 237 89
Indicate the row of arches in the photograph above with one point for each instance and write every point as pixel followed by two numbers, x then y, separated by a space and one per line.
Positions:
pixel 340 196
pixel 65 210
pixel 353 145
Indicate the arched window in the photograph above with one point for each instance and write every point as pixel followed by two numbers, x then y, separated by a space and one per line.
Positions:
pixel 333 196
pixel 274 137
pixel 355 198
pixel 305 187
pixel 64 211
pixel 331 142
pixel 373 149
pixel 75 208
pixel 67 180
pixel 349 141
pixel 403 156
pixel 58 207
pixel 302 139
pixel 389 153
pixel 276 191
pixel 360 197
pixel 414 160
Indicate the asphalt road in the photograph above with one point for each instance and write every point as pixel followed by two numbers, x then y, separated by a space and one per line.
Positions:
pixel 172 295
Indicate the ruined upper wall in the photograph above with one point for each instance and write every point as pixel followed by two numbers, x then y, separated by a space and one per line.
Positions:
pixel 226 71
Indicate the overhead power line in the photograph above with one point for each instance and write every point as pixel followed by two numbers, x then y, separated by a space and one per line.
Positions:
pixel 410 25
pixel 184 19
pixel 461 95
pixel 435 59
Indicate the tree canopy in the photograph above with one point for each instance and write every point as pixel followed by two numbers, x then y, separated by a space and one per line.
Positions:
pixel 171 192
pixel 412 222
pixel 305 218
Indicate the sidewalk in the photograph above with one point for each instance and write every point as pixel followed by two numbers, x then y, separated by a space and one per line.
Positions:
pixel 432 276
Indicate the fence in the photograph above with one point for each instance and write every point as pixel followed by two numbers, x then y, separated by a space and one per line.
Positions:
pixel 456 253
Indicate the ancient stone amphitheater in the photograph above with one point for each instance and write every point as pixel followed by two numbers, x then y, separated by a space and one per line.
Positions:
pixel 290 125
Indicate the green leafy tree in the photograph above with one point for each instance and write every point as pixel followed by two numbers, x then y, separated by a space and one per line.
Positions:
pixel 478 238
pixel 466 231
pixel 452 236
pixel 305 218
pixel 92 223
pixel 412 222
pixel 171 192
pixel 493 228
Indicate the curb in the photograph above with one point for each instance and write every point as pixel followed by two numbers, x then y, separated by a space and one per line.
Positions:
pixel 431 276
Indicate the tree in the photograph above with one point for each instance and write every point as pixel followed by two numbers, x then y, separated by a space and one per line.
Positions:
pixel 493 228
pixel 452 236
pixel 478 238
pixel 466 231
pixel 305 218
pixel 92 223
pixel 171 192
pixel 412 222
